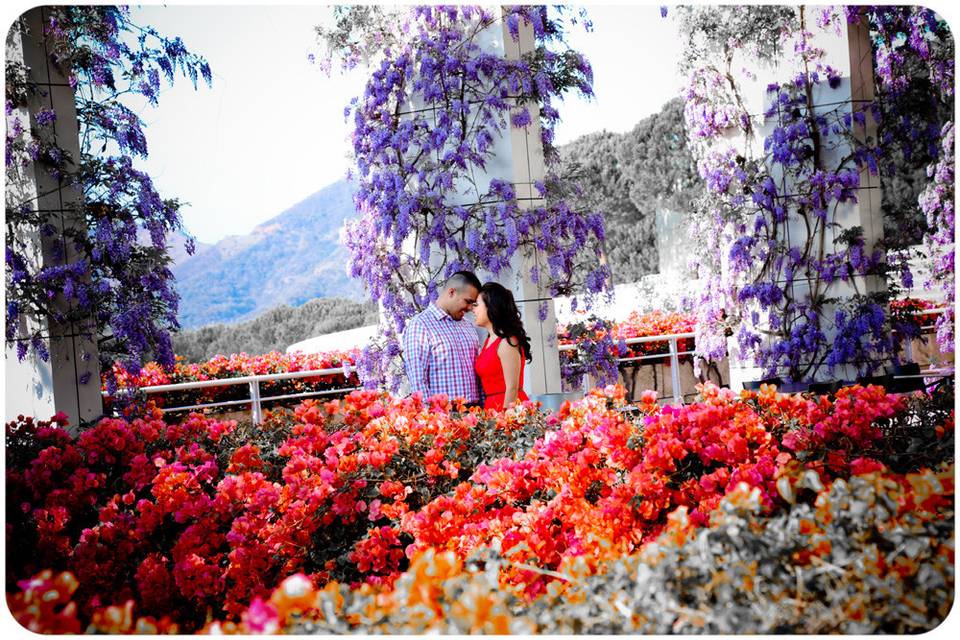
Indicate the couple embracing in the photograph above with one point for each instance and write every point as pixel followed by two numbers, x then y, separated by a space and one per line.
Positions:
pixel 442 351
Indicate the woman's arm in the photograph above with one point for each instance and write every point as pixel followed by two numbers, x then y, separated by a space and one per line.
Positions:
pixel 510 357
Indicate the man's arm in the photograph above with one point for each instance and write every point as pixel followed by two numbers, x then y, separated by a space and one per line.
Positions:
pixel 416 353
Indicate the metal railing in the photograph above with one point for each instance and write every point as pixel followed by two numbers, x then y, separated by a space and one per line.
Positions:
pixel 255 400
pixel 673 353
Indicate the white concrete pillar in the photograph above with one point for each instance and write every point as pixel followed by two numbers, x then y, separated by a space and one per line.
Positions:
pixel 851 55
pixel 517 156
pixel 28 385
pixel 528 167
pixel 73 348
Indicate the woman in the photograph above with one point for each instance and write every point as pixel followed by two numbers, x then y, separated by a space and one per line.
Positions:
pixel 501 360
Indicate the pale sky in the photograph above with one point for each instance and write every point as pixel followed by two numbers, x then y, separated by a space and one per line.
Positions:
pixel 271 130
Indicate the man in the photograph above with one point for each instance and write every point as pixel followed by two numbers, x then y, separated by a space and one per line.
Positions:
pixel 439 346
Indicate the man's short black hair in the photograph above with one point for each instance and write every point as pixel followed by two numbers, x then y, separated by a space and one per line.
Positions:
pixel 461 278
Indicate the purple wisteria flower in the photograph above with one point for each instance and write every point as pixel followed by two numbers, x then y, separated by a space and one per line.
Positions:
pixel 102 271
pixel 938 203
pixel 433 110
pixel 769 250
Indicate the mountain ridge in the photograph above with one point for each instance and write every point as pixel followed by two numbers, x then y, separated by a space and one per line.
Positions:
pixel 289 259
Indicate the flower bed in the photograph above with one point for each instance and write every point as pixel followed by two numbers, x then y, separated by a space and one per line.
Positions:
pixel 907 312
pixel 814 568
pixel 600 344
pixel 399 497
pixel 208 514
pixel 236 366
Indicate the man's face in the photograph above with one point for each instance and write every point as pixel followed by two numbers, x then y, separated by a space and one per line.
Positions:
pixel 461 301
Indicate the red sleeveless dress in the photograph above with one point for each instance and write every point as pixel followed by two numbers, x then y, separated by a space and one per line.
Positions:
pixel 490 371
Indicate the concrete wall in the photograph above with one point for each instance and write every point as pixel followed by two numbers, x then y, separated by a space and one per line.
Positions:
pixel 673 249
pixel 28 386
pixel 658 377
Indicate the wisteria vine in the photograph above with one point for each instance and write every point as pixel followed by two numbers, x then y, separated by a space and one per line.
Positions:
pixel 434 106
pixel 937 202
pixel 801 306
pixel 113 268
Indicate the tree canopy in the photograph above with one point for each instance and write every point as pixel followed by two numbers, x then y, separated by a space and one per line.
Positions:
pixel 629 178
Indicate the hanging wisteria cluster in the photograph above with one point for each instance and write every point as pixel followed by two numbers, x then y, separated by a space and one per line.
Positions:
pixel 937 202
pixel 112 268
pixel 426 129
pixel 772 258
pixel 911 44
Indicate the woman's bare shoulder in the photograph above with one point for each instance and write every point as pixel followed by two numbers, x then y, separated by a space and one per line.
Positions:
pixel 509 344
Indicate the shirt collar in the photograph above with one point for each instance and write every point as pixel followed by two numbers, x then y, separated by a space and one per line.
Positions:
pixel 439 313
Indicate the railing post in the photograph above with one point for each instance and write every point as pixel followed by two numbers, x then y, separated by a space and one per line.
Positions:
pixel 675 372
pixel 255 410
pixel 588 384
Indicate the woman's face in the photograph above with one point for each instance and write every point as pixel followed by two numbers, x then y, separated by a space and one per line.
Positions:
pixel 480 312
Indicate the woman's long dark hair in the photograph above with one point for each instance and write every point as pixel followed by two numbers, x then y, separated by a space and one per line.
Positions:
pixel 504 316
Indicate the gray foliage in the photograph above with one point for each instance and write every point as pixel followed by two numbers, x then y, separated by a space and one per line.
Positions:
pixel 274 330
pixel 629 178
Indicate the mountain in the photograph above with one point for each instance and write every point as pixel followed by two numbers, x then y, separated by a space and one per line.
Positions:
pixel 296 256
pixel 289 259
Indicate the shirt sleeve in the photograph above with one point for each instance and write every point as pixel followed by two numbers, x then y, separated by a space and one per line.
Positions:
pixel 416 352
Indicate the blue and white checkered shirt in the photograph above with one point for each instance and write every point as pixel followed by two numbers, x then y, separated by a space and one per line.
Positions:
pixel 438 354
